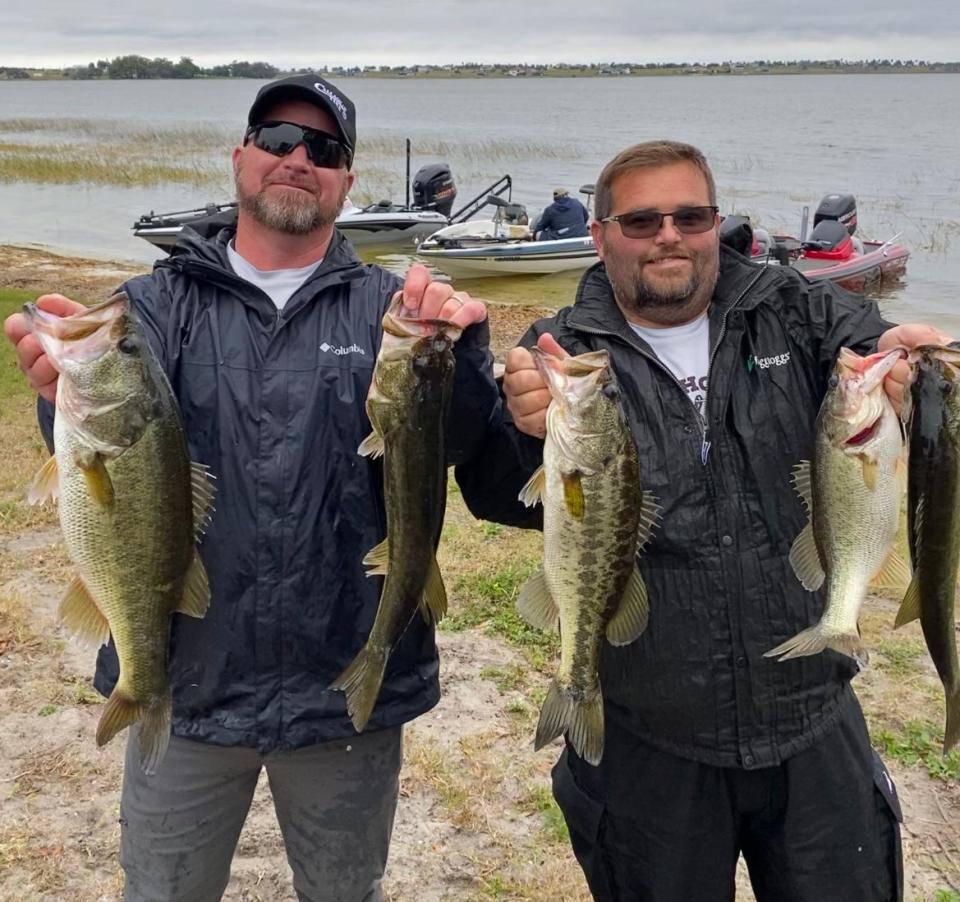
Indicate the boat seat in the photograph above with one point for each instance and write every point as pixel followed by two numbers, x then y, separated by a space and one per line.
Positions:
pixel 737 233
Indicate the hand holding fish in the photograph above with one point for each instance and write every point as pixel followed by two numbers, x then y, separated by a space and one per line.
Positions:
pixel 424 298
pixel 31 357
pixel 909 336
pixel 526 391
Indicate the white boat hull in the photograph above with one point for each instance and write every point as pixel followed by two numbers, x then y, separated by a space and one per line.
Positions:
pixel 362 229
pixel 480 249
pixel 367 229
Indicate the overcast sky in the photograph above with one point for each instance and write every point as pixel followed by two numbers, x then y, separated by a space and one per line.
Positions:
pixel 313 33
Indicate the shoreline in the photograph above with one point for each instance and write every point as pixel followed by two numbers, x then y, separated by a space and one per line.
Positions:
pixel 520 70
pixel 36 268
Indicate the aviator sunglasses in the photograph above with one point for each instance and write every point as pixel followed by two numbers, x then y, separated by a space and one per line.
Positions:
pixel 646 223
pixel 281 138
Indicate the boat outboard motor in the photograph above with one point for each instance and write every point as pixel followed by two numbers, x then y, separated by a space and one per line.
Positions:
pixel 736 233
pixel 434 188
pixel 840 208
pixel 829 240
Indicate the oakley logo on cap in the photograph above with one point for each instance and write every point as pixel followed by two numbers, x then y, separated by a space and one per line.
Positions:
pixel 334 99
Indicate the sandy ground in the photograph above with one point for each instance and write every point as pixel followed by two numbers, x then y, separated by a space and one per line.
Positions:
pixel 475 820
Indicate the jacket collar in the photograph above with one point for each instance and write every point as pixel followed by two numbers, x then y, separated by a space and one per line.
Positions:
pixel 210 253
pixel 205 259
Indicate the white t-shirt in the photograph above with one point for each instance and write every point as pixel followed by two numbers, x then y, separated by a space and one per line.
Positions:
pixel 685 351
pixel 279 284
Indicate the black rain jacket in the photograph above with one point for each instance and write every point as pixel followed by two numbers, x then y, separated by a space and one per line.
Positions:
pixel 721 588
pixel 273 402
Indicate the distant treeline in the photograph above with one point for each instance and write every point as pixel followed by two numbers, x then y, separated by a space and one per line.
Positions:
pixel 138 67
pixel 132 66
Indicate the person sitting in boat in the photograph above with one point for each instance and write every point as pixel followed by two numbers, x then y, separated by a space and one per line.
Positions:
pixel 566 217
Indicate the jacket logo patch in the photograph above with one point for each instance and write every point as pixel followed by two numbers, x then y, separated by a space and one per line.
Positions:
pixel 763 363
pixel 340 350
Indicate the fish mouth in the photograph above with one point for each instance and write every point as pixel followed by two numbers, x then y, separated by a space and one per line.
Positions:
pixel 864 435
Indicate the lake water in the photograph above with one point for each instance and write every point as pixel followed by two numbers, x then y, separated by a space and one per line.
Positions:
pixel 776 143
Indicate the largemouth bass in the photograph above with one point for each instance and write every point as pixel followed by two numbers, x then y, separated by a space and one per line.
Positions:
pixel 595 519
pixel 852 492
pixel 933 517
pixel 407 405
pixel 130 505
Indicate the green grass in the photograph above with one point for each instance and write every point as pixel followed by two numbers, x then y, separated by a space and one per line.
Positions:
pixel 946 895
pixel 487 600
pixel 12 383
pixel 508 679
pixel 901 657
pixel 540 799
pixel 69 167
pixel 920 744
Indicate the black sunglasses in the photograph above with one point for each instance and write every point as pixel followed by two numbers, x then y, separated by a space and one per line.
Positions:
pixel 646 223
pixel 281 138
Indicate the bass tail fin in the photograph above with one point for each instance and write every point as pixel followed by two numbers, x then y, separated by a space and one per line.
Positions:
pixel 361 682
pixel 578 715
pixel 816 639
pixel 154 716
pixel 951 733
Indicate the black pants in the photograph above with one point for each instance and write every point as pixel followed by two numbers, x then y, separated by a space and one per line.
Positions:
pixel 651 827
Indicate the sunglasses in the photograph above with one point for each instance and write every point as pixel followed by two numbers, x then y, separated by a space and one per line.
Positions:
pixel 646 223
pixel 281 138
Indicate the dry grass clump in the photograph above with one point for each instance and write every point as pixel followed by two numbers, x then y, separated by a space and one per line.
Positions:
pixel 44 766
pixel 18 634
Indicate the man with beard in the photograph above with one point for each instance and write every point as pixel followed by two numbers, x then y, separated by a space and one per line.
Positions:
pixel 711 749
pixel 268 333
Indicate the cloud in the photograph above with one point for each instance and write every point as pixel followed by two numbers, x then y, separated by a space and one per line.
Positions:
pixel 375 32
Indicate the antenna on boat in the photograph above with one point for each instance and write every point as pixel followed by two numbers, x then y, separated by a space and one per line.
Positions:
pixel 407 205
pixel 804 219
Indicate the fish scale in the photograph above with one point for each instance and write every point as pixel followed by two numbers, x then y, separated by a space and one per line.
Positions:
pixel 130 505
pixel 853 491
pixel 933 518
pixel 407 404
pixel 595 519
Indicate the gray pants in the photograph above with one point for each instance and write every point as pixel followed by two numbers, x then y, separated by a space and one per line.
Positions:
pixel 335 803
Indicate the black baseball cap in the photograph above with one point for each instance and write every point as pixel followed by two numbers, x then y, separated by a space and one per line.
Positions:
pixel 313 89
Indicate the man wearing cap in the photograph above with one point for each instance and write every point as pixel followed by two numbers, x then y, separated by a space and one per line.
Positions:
pixel 566 217
pixel 268 332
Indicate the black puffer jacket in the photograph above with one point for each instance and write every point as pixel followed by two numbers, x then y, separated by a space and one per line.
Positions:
pixel 273 402
pixel 721 588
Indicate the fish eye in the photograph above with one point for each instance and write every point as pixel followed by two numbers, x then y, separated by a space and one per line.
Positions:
pixel 129 344
pixel 834 381
pixel 610 391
